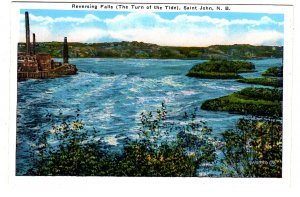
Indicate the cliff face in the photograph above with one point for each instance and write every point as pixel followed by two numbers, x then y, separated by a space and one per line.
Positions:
pixel 145 50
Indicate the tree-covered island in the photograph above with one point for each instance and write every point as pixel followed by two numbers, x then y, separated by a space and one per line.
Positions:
pixel 221 69
pixel 254 101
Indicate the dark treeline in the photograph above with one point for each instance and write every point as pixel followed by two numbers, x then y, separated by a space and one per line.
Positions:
pixel 145 50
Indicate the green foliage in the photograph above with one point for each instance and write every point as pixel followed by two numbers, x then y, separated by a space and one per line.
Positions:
pixel 266 94
pixel 224 66
pixel 254 149
pixel 262 81
pixel 274 71
pixel 145 50
pixel 163 148
pixel 220 69
pixel 213 75
pixel 245 51
pixel 154 153
pixel 71 155
pixel 255 101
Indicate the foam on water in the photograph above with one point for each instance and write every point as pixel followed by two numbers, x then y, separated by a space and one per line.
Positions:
pixel 188 92
pixel 111 140
pixel 110 95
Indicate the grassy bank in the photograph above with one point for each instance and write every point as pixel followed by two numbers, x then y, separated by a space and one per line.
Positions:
pixel 266 81
pixel 255 101
pixel 220 69
pixel 213 75
pixel 274 71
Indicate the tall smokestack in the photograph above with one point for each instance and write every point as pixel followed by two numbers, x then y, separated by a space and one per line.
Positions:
pixel 27 33
pixel 65 51
pixel 33 43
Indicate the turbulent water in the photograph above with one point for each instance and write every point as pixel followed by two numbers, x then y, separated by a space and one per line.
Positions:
pixel 110 95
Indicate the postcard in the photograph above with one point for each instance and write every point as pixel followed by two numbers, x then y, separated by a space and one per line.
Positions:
pixel 151 89
pixel 110 89
pixel 131 96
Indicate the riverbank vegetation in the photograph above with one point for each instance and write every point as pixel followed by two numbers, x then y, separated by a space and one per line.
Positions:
pixel 274 71
pixel 220 69
pixel 253 149
pixel 254 101
pixel 146 50
pixel 266 81
pixel 271 77
pixel 163 148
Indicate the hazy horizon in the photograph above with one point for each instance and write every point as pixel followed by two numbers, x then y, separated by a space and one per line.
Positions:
pixel 90 43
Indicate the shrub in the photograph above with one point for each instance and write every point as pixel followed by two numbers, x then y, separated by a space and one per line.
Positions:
pixel 154 153
pixel 254 149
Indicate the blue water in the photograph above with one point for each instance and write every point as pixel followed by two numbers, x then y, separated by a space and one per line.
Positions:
pixel 111 94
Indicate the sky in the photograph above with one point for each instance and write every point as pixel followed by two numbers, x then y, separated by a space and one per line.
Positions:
pixel 162 28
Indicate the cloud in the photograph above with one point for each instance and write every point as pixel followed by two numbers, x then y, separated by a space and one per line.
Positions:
pixel 187 30
pixel 86 19
pixel 183 30
pixel 256 37
pixel 45 20
pixel 43 34
pixel 167 37
pixel 154 20
pixel 86 34
pixel 136 20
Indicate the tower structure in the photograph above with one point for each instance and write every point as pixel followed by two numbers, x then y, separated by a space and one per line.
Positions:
pixel 27 29
pixel 33 44
pixel 65 51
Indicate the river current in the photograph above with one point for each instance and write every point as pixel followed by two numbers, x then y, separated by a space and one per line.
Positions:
pixel 110 95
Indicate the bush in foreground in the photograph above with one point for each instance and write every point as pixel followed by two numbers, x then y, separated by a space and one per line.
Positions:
pixel 254 149
pixel 154 153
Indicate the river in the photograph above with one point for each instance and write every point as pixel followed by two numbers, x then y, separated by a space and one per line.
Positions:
pixel 110 95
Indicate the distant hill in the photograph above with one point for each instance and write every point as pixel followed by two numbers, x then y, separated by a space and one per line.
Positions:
pixel 145 50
